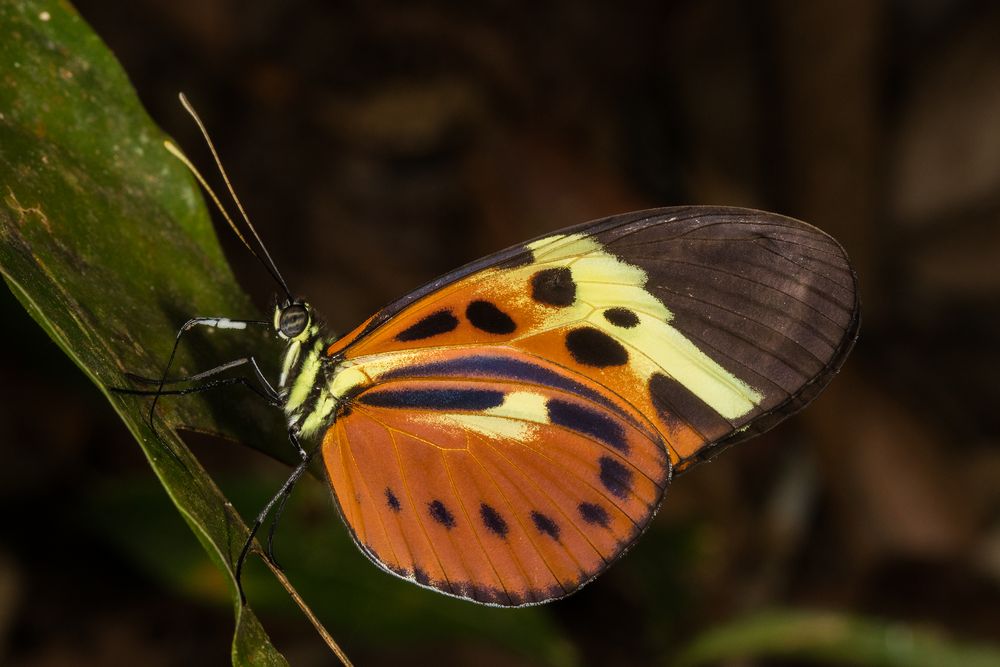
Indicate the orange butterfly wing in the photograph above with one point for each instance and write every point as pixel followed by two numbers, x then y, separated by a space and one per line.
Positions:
pixel 506 490
pixel 507 431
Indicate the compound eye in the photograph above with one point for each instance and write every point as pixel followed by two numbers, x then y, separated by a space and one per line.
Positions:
pixel 294 320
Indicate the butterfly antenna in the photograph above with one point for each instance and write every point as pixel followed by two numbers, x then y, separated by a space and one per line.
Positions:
pixel 264 259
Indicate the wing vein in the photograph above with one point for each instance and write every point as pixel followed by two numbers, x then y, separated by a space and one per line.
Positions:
pixel 371 498
pixel 517 517
pixel 413 504
pixel 475 531
pixel 558 507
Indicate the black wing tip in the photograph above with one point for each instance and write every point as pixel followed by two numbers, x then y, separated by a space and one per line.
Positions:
pixel 811 389
pixel 806 394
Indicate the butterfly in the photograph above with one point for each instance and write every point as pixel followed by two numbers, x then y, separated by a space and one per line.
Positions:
pixel 506 432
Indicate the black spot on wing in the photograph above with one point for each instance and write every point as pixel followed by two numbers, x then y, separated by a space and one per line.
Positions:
pixel 441 514
pixel 487 317
pixel 594 514
pixel 492 520
pixel 675 404
pixel 615 477
pixel 593 347
pixel 434 324
pixel 434 399
pixel 554 287
pixel 391 500
pixel 621 317
pixel 545 525
pixel 589 422
pixel 420 575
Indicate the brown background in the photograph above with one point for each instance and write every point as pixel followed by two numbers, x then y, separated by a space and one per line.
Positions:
pixel 380 144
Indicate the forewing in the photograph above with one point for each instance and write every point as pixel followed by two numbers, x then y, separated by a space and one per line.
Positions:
pixel 716 323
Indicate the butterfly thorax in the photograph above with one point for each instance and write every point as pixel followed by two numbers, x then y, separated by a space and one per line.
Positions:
pixel 305 370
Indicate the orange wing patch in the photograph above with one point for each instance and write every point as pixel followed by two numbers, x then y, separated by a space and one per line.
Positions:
pixel 508 492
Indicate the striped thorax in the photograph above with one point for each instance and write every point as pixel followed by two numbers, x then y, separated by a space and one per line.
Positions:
pixel 308 403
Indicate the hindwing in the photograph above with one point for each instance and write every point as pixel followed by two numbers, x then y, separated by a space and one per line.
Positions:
pixel 492 477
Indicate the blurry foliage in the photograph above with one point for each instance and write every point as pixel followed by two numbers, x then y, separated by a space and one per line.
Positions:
pixel 380 144
pixel 825 638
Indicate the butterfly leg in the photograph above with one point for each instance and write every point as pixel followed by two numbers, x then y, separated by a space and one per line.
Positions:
pixel 210 322
pixel 266 391
pixel 214 384
pixel 141 379
pixel 279 499
pixel 280 509
pixel 263 388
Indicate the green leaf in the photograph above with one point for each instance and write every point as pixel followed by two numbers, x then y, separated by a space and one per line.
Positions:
pixel 831 638
pixel 106 242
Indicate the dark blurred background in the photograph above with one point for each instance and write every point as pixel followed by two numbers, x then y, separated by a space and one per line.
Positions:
pixel 377 145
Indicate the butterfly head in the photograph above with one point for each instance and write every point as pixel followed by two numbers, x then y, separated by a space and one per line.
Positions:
pixel 293 320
